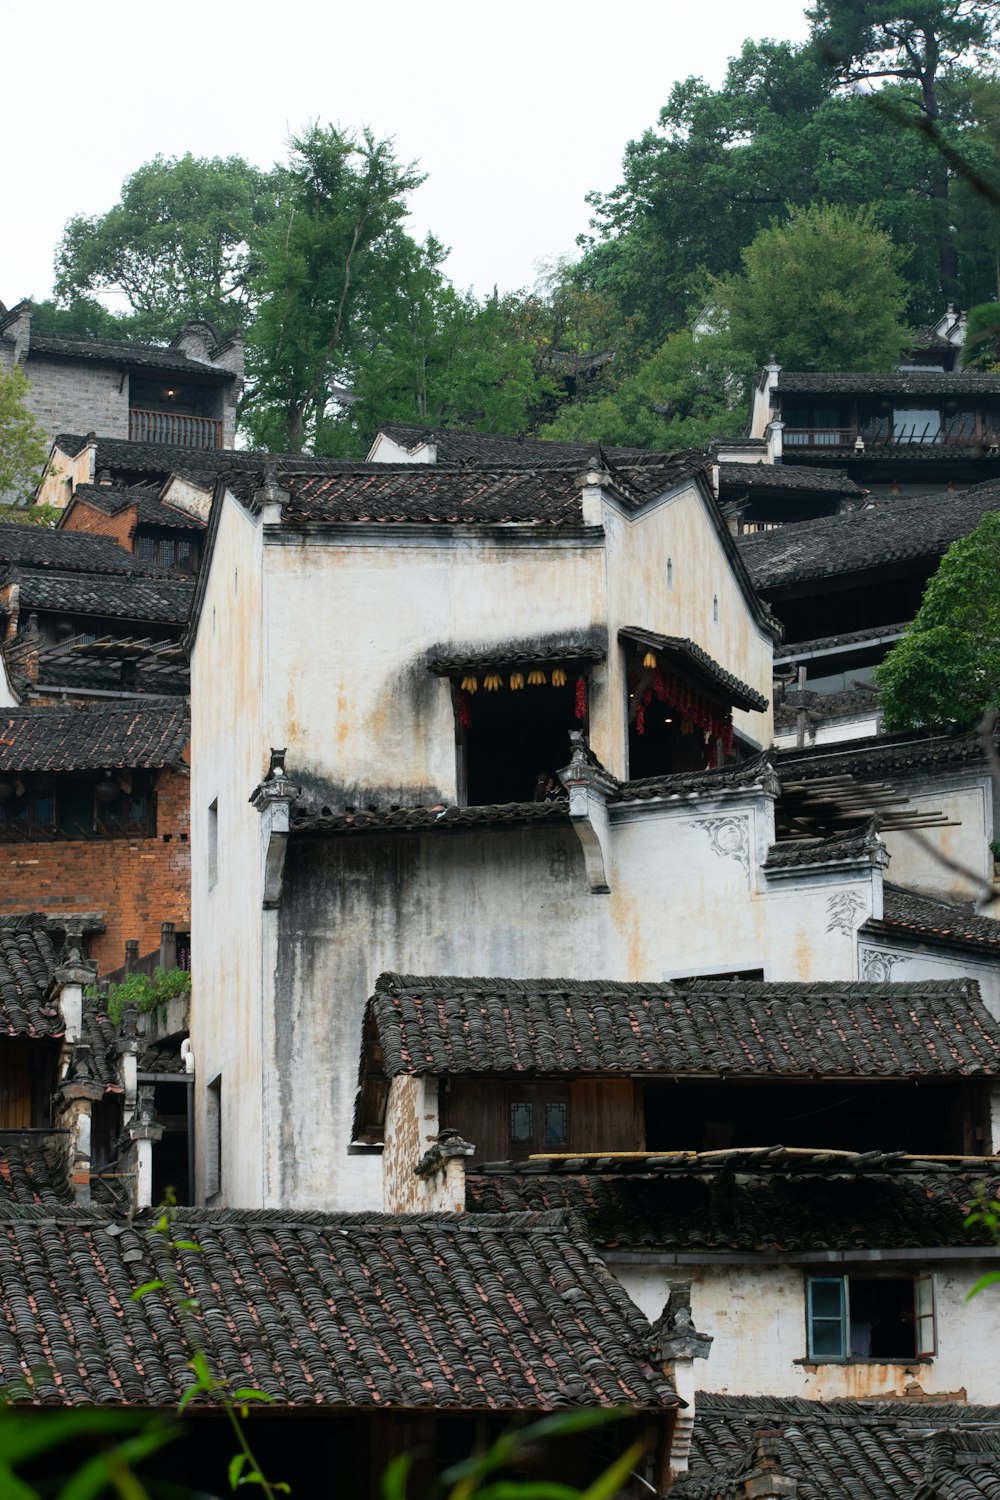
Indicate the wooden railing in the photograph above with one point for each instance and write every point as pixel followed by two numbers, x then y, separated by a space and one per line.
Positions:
pixel 926 437
pixel 173 428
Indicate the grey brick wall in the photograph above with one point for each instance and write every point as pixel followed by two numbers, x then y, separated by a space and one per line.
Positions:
pixel 77 397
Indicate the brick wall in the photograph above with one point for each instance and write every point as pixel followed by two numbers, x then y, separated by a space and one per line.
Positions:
pixel 135 883
pixel 77 396
pixel 84 517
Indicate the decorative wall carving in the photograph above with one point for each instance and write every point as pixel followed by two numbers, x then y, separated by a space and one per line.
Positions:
pixel 728 837
pixel 842 909
pixel 877 966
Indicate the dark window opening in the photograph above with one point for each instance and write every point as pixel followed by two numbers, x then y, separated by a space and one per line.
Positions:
pixel 117 804
pixel 672 724
pixel 848 1116
pixel 512 736
pixel 171 1153
pixel 870 1318
pixel 28 1071
pixel 167 552
pixel 169 395
pixel 539 1118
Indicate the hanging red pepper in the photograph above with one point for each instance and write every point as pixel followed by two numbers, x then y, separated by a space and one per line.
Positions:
pixel 464 715
pixel 581 698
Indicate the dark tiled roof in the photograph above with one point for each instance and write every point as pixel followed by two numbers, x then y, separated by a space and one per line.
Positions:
pixel 156 600
pixel 29 1172
pixel 484 449
pixel 854 703
pixel 911 914
pixel 27 969
pixel 456 1312
pixel 136 736
pixel 150 510
pixel 790 651
pixel 109 351
pixel 696 659
pixel 843 1450
pixel 445 1025
pixel 423 819
pixel 893 383
pixel 546 494
pixel 853 844
pixel 39 547
pixel 202 466
pixel 879 756
pixel 697 783
pixel 695 1205
pixel 514 652
pixel 922 527
pixel 788 477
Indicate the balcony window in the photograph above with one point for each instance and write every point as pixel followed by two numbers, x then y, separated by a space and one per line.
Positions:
pixel 916 424
pixel 880 1318
pixel 513 727
pixel 41 808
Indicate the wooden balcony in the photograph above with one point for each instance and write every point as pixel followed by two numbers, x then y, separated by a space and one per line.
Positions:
pixel 878 437
pixel 173 428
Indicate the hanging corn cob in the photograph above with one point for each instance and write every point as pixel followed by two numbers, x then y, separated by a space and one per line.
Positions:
pixel 516 681
pixel 470 684
pixel 558 677
pixel 536 678
pixel 492 682
pixel 649 660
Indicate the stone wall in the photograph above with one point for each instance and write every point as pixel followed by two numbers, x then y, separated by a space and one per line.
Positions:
pixel 77 396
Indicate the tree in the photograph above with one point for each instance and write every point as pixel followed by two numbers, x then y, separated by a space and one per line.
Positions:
pixel 921 42
pixel 335 244
pixel 823 291
pixel 691 390
pixel 946 669
pixel 183 242
pixel 23 445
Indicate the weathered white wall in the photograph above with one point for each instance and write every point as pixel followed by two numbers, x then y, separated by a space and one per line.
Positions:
pixel 703 584
pixel 756 1314
pixel 686 897
pixel 833 733
pixel 63 473
pixel 229 756
pixel 351 623
pixel 879 960
pixel 967 800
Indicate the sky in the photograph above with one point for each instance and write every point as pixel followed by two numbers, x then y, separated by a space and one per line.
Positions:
pixel 515 110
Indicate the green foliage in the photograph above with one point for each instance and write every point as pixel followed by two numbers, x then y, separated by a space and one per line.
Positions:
pixel 981 350
pixel 691 390
pixel 33 515
pixel 946 669
pixel 483 1474
pixel 183 242
pixel 823 290
pixel 23 445
pixel 335 244
pixel 86 318
pixel 143 992
pixel 121 1441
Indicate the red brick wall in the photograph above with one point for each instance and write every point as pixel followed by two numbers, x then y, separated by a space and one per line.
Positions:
pixel 84 517
pixel 135 883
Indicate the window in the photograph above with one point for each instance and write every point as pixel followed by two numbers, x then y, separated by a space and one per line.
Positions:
pixel 538 1119
pixel 213 1138
pixel 881 1318
pixel 213 843
pixel 914 424
pixel 513 728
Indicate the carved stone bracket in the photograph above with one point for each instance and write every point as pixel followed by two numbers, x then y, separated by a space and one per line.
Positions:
pixel 273 800
pixel 589 787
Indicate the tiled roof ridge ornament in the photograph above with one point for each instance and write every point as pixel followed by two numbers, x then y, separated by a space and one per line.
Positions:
pixel 269 499
pixel 449 1146
pixel 273 799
